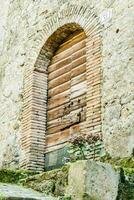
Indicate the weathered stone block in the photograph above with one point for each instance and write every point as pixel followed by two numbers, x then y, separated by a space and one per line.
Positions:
pixel 90 180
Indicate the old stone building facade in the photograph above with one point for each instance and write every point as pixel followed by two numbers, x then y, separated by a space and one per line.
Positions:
pixel 92 42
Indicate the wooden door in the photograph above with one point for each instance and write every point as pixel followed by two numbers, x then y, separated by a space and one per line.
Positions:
pixel 67 86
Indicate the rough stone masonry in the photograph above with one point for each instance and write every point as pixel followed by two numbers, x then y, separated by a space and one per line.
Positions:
pixel 21 22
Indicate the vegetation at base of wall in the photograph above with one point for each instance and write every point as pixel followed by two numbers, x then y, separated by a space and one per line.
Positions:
pixel 83 146
pixel 126 167
pixel 14 176
pixel 55 182
pixel 2 196
pixel 126 191
pixel 51 183
pixel 126 187
pixel 127 163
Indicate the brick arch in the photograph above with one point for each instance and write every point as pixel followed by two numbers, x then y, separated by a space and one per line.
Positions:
pixel 85 16
pixel 64 22
pixel 53 42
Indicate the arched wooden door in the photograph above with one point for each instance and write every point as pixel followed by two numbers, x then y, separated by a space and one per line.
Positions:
pixel 67 86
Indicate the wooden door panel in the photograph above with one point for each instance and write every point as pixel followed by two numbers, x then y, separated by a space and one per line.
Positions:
pixel 66 108
pixel 59 64
pixel 58 100
pixel 78 91
pixel 59 89
pixel 59 72
pixel 78 70
pixel 78 79
pixel 58 137
pixel 70 43
pixel 80 53
pixel 60 80
pixel 79 61
pixel 67 87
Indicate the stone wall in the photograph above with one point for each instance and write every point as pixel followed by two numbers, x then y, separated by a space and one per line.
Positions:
pixel 118 81
pixel 21 45
pixel 3 17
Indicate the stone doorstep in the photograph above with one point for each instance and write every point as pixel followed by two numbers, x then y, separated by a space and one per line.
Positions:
pixel 14 192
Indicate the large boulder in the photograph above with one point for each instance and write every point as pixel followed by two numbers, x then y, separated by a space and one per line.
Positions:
pixel 90 180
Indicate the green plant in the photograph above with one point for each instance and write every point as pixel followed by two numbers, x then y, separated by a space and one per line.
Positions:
pixel 82 147
pixel 2 196
pixel 65 198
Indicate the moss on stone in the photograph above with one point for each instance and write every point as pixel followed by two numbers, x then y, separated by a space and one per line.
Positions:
pixel 51 183
pixel 126 167
pixel 127 163
pixel 55 182
pixel 14 176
